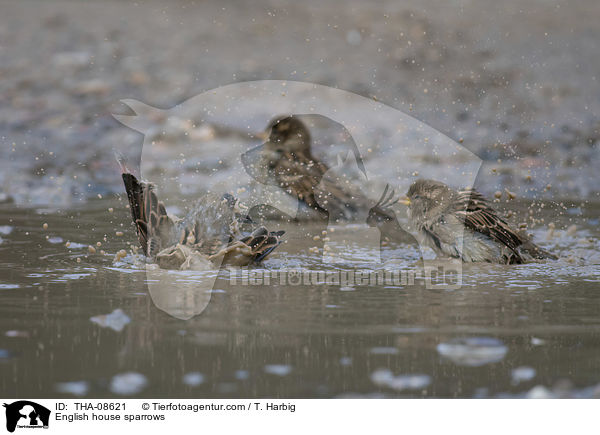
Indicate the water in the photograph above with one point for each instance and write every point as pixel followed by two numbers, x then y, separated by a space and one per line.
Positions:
pixel 288 341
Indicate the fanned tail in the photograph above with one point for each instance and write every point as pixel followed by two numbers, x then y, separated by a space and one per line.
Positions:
pixel 148 214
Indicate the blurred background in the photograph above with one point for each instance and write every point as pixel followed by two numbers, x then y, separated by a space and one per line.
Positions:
pixel 516 82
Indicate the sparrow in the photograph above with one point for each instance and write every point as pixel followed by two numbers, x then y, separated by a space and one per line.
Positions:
pixel 286 160
pixel 462 224
pixel 216 231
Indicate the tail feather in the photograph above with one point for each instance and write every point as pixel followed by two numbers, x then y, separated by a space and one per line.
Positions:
pixel 534 251
pixel 135 194
pixel 148 214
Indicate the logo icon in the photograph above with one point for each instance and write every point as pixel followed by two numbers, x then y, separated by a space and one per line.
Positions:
pixel 26 414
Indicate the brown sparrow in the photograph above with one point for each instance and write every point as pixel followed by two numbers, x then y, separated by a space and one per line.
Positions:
pixel 461 224
pixel 286 160
pixel 212 233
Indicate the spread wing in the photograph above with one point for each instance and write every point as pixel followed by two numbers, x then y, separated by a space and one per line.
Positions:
pixel 154 226
pixel 477 214
pixel 305 178
pixel 213 228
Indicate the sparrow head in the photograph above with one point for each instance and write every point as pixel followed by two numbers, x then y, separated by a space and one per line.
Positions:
pixel 288 135
pixel 427 199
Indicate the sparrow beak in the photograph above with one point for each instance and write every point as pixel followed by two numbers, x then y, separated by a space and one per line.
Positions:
pixel 263 135
pixel 405 200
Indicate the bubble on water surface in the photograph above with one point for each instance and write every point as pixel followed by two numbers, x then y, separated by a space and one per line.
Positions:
pixel 473 351
pixel 78 389
pixel 117 320
pixel 346 361
pixel 537 341
pixel 540 392
pixel 242 375
pixel 193 379
pixel 385 378
pixel 128 384
pixel 75 245
pixel 16 334
pixel 8 286
pixel 522 374
pixel 278 369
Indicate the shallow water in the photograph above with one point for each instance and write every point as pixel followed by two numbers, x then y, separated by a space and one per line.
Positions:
pixel 530 330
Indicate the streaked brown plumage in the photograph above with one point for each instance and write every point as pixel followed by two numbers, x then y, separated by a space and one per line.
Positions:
pixel 286 160
pixel 213 233
pixel 462 224
pixel 294 166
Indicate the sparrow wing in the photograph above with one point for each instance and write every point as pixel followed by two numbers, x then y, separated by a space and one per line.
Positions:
pixel 262 243
pixel 477 215
pixel 154 226
pixel 299 176
pixel 251 249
